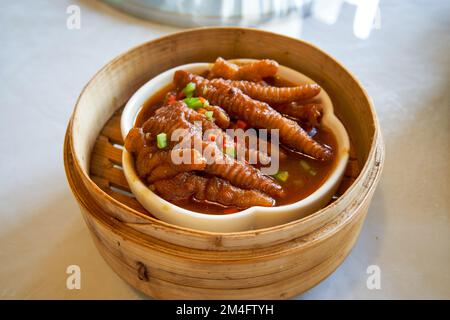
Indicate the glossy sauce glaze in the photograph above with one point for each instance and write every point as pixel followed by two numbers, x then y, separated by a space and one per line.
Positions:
pixel 306 175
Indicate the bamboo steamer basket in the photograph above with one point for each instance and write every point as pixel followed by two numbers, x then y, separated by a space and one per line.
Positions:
pixel 170 262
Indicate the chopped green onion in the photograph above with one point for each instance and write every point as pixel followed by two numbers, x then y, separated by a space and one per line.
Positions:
pixel 161 140
pixel 305 165
pixel 189 89
pixel 193 103
pixel 230 151
pixel 282 176
pixel 209 115
pixel 205 90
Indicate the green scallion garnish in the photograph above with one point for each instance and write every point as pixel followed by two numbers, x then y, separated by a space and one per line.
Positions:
pixel 209 115
pixel 161 140
pixel 305 165
pixel 282 176
pixel 193 103
pixel 189 89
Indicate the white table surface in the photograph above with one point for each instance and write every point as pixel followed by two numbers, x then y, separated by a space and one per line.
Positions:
pixel 404 66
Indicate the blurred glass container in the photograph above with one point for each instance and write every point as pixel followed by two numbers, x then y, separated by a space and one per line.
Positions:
pixel 191 13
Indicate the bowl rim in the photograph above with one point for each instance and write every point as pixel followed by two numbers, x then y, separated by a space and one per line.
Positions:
pixel 269 230
pixel 135 104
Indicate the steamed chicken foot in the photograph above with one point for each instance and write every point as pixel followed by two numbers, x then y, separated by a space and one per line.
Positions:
pixel 310 113
pixel 136 144
pixel 256 113
pixel 253 71
pixel 272 94
pixel 222 139
pixel 193 161
pixel 170 118
pixel 147 162
pixel 178 116
pixel 187 185
pixel 162 172
pixel 220 117
pixel 263 145
pixel 242 175
pixel 136 141
pixel 148 157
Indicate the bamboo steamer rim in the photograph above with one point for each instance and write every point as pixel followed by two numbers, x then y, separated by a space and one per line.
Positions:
pixel 364 171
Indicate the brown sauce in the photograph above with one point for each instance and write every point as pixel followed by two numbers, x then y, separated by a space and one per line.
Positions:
pixel 301 182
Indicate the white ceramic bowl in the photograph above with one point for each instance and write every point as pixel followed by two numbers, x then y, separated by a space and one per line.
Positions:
pixel 251 218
